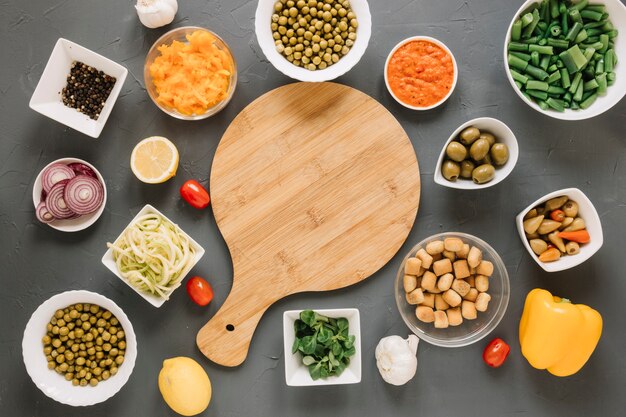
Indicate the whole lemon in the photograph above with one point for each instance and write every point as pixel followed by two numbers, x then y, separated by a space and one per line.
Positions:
pixel 185 386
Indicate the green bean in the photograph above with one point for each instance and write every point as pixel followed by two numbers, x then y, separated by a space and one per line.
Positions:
pixel 545 62
pixel 578 96
pixel 575 83
pixel 545 50
pixel 535 72
pixel 573 59
pixel 527 19
pixel 516 31
pixel 521 55
pixel 555 31
pixel 534 58
pixel 554 8
pixel 574 105
pixel 582 36
pixel 604 40
pixel 609 62
pixel 602 83
pixel 574 14
pixel 519 77
pixel 573 32
pixel 515 46
pixel 567 97
pixel 588 94
pixel 588 101
pixel 554 77
pixel 600 66
pixel 542 26
pixel 519 84
pixel 580 5
pixel 517 63
pixel 537 85
pixel 612 34
pixel 544 11
pixel 542 42
pixel 592 39
pixel 564 21
pixel 596 8
pixel 542 95
pixel 528 30
pixel 588 54
pixel 594 32
pixel 558 43
pixel 553 89
pixel 543 105
pixel 552 68
pixel 565 81
pixel 592 84
pixel 591 15
pixel 593 25
pixel 532 40
pixel 557 105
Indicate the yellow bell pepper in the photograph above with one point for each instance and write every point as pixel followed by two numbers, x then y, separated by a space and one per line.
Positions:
pixel 557 335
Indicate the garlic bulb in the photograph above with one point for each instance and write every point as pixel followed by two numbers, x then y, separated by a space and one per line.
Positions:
pixel 156 13
pixel 396 359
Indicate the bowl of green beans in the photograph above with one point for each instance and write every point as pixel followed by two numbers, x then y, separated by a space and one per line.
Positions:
pixel 565 59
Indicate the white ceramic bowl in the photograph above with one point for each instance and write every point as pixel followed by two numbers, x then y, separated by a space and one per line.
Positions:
pixel 503 135
pixel 263 19
pixel 54 385
pixel 297 375
pixel 109 261
pixel 586 211
pixel 617 15
pixel 442 46
pixel 47 96
pixel 78 223
pixel 470 331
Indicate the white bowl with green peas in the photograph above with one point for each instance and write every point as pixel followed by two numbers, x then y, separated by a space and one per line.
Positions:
pixel 56 386
pixel 591 102
pixel 263 20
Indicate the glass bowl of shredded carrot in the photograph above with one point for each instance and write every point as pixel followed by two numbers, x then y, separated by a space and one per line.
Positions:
pixel 190 73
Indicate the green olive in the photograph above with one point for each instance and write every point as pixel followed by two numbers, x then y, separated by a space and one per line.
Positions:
pixel 479 149
pixel 467 167
pixel 486 160
pixel 499 153
pixel 483 173
pixel 456 151
pixel 450 170
pixel 469 135
pixel 490 138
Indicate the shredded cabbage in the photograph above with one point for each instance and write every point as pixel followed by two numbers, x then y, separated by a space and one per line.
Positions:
pixel 152 254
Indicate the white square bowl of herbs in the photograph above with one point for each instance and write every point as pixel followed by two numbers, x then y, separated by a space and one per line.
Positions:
pixel 322 347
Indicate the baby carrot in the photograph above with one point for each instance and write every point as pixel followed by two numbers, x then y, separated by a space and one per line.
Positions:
pixel 580 236
pixel 557 215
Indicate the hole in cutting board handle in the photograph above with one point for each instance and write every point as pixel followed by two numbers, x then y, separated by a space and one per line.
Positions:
pixel 230 327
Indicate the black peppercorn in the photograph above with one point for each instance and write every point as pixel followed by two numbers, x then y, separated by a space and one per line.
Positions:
pixel 87 89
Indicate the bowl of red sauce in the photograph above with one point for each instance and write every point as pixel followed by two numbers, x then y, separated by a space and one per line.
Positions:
pixel 420 73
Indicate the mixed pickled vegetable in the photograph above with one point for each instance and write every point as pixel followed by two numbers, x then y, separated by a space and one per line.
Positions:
pixel 474 155
pixel 562 54
pixel 555 229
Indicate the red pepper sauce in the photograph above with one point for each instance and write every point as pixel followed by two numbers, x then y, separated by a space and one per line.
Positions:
pixel 420 73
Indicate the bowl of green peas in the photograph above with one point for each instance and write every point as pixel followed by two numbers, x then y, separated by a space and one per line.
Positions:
pixel 79 348
pixel 565 58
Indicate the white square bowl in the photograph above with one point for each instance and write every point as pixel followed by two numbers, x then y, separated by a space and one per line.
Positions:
pixel 297 375
pixel 109 262
pixel 586 211
pixel 47 96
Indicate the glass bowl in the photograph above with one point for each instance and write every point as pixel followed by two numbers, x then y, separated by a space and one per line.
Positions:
pixel 470 331
pixel 179 34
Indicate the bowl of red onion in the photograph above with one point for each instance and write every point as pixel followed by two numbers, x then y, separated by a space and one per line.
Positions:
pixel 69 195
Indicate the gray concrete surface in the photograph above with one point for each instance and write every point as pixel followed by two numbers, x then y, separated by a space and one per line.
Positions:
pixel 37 262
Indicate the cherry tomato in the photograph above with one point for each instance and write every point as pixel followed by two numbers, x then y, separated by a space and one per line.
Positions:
pixel 195 194
pixel 496 352
pixel 199 291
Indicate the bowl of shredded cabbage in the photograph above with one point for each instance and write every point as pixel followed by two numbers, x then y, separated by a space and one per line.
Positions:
pixel 152 255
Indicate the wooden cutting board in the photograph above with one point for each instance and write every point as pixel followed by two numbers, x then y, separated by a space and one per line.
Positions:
pixel 314 186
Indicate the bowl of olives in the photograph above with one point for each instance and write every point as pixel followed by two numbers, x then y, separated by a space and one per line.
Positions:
pixel 479 154
pixel 79 348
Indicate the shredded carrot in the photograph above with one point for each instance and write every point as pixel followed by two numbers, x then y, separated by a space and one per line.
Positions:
pixel 192 77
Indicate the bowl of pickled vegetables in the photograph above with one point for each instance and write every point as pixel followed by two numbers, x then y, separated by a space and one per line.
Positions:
pixel 565 59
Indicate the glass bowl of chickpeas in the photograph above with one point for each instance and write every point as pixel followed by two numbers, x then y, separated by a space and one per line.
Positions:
pixel 313 40
pixel 79 348
pixel 452 289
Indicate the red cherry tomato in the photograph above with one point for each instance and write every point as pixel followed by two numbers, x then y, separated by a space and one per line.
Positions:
pixel 496 352
pixel 195 194
pixel 199 291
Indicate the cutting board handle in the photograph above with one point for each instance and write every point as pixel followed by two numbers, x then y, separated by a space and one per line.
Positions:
pixel 226 338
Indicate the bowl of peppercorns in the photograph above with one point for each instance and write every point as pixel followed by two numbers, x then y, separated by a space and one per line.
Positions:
pixel 78 88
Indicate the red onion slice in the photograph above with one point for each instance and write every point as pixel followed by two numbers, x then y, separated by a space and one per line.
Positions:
pixel 84 194
pixel 55 202
pixel 82 169
pixel 43 214
pixel 55 173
